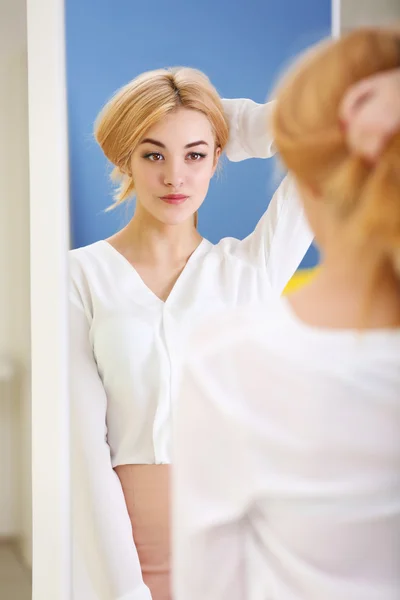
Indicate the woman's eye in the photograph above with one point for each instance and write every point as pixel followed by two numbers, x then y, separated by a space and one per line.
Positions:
pixel 154 156
pixel 195 156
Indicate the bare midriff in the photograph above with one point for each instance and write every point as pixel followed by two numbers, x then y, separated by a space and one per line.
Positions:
pixel 146 489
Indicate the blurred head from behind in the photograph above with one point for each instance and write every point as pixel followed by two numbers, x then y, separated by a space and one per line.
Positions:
pixel 348 202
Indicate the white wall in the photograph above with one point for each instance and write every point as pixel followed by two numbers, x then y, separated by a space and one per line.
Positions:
pixel 14 252
pixel 357 13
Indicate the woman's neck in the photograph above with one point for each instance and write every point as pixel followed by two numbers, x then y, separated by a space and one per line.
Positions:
pixel 349 292
pixel 147 240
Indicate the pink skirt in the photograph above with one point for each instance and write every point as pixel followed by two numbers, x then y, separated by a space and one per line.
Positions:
pixel 146 491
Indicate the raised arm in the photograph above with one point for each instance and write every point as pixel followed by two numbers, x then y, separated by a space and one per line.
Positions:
pixel 282 236
pixel 106 563
pixel 250 134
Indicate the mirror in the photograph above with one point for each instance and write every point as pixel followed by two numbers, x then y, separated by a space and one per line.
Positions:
pixel 121 313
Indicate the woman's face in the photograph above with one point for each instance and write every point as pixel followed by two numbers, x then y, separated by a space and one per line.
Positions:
pixel 173 165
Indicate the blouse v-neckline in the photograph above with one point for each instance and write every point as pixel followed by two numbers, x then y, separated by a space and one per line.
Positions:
pixel 204 244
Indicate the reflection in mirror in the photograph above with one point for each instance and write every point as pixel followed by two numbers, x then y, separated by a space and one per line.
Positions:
pixel 143 273
pixel 15 454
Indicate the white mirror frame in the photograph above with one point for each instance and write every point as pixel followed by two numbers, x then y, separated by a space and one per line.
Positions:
pixel 336 18
pixel 49 243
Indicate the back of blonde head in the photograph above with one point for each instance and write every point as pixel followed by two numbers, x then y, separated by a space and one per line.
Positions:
pixel 313 146
pixel 141 104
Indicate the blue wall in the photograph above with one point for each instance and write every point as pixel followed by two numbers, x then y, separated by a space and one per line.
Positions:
pixel 242 50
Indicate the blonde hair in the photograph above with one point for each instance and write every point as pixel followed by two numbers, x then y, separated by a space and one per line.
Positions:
pixel 312 143
pixel 143 102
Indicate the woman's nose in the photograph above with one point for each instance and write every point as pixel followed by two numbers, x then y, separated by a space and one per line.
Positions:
pixel 173 176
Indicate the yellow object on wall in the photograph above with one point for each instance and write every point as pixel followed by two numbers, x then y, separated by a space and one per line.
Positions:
pixel 299 279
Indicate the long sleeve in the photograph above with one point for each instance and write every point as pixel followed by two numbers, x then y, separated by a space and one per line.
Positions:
pixel 250 133
pixel 105 560
pixel 282 236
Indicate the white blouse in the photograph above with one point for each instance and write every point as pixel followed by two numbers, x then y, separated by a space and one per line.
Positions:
pixel 286 479
pixel 125 349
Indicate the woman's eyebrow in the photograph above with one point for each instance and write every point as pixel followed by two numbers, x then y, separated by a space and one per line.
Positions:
pixel 151 141
pixel 199 143
pixel 161 145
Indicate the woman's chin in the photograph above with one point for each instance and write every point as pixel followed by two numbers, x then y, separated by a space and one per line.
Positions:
pixel 175 217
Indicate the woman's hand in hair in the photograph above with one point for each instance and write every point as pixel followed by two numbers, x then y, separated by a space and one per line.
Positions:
pixel 370 113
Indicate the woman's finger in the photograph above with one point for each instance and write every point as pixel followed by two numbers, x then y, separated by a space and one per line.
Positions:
pixel 352 100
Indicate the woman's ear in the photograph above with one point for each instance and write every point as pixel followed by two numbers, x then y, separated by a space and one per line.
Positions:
pixel 126 168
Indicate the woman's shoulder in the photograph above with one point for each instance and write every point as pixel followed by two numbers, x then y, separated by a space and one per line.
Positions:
pixel 92 261
pixel 275 329
pixel 86 255
pixel 93 269
pixel 241 253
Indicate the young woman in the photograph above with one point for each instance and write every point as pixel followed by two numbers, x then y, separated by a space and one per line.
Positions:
pixel 287 453
pixel 133 299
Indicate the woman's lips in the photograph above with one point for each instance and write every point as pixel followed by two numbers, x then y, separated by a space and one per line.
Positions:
pixel 174 198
